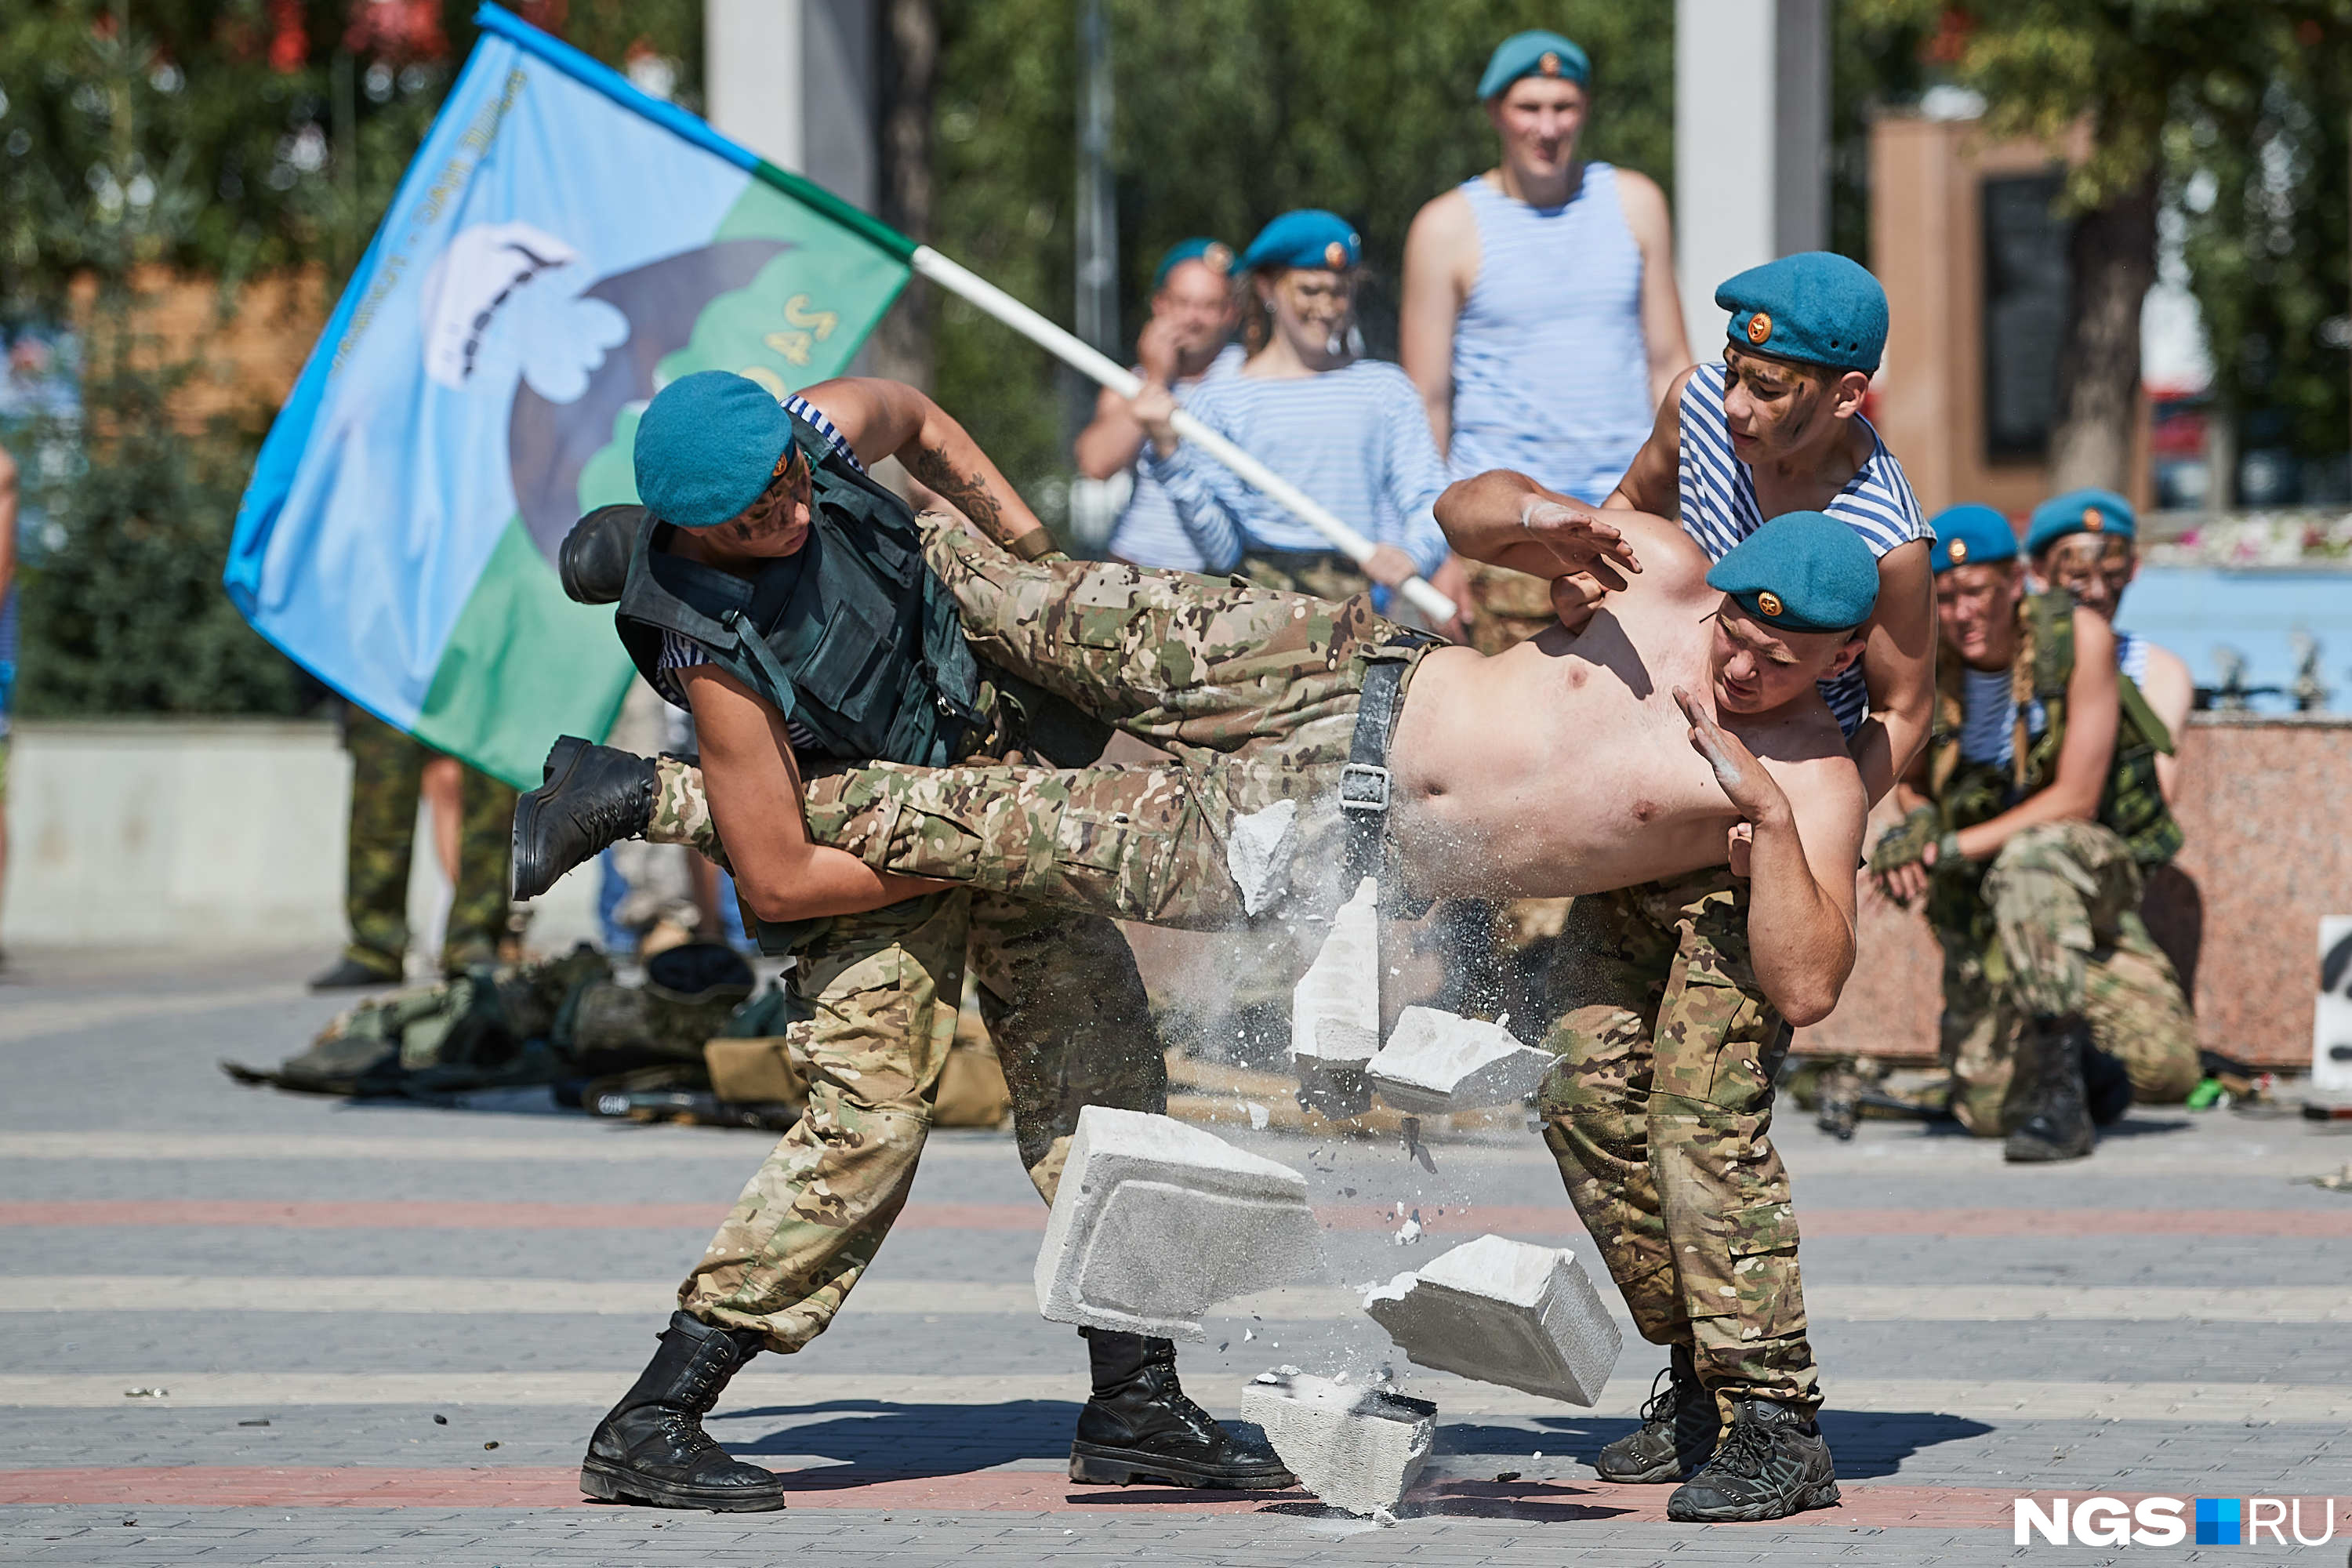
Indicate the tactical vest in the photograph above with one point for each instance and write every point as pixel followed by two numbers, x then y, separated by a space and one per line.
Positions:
pixel 853 639
pixel 2132 805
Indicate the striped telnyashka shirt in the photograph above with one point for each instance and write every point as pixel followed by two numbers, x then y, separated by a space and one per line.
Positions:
pixel 1552 372
pixel 679 652
pixel 1719 507
pixel 1356 439
pixel 1148 532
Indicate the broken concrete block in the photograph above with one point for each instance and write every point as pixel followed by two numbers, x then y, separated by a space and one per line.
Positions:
pixel 1436 1062
pixel 1355 1448
pixel 1503 1311
pixel 1334 1010
pixel 1156 1221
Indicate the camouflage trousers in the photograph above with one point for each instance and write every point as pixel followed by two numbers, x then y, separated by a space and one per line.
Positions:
pixel 1072 1028
pixel 1253 691
pixel 2067 939
pixel 387 772
pixel 1318 573
pixel 1658 1117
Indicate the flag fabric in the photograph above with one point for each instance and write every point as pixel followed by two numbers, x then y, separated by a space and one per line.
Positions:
pixel 563 247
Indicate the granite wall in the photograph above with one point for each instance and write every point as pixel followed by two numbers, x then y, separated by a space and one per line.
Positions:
pixel 2267 856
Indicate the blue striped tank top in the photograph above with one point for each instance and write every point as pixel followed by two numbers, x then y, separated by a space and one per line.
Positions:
pixel 1719 507
pixel 1148 532
pixel 2131 657
pixel 1551 373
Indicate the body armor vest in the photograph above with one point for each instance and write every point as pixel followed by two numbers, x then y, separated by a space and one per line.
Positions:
pixel 853 639
pixel 2132 805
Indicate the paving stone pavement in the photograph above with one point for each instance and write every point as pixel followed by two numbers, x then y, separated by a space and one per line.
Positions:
pixel 317 1281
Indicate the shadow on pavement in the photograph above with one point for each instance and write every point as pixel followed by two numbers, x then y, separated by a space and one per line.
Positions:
pixel 910 1439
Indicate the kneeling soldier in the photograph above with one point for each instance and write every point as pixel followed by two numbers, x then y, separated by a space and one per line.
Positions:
pixel 2029 828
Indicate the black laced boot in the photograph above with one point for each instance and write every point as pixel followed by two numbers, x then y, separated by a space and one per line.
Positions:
pixel 594 797
pixel 1680 1425
pixel 2057 1121
pixel 2106 1085
pixel 1138 1426
pixel 651 1446
pixel 1773 1463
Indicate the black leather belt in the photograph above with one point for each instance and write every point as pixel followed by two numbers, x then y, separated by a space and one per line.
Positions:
pixel 1364 782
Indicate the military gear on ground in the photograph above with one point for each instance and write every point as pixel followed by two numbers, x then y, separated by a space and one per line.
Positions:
pixel 1138 1426
pixel 1900 844
pixel 387 773
pixel 651 1447
pixel 593 796
pixel 2055 1119
pixel 1773 1463
pixel 1680 1426
pixel 851 637
pixel 349 973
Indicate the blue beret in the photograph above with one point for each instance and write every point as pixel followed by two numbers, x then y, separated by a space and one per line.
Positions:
pixel 1214 254
pixel 2079 511
pixel 707 446
pixel 1537 53
pixel 1971 534
pixel 1815 306
pixel 1308 237
pixel 1802 571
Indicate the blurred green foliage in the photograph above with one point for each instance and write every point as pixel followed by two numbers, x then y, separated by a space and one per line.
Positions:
pixel 1229 113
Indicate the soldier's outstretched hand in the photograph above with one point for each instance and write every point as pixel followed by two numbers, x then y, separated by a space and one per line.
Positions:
pixel 1754 793
pixel 1580 538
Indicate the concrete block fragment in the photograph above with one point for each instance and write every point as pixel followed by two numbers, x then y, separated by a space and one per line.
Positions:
pixel 1156 1221
pixel 1355 1448
pixel 1258 848
pixel 1334 1010
pixel 1436 1062
pixel 1504 1311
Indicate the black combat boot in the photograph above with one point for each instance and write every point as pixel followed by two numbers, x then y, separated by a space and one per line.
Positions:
pixel 1773 1463
pixel 594 797
pixel 651 1446
pixel 2106 1085
pixel 1680 1425
pixel 1138 1426
pixel 2056 1124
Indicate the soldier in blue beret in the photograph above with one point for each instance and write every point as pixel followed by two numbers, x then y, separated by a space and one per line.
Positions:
pixel 1540 316
pixel 2031 824
pixel 2086 542
pixel 1346 429
pixel 1189 340
pixel 773 588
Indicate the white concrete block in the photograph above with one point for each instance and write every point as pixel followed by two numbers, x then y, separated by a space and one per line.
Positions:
pixel 1436 1062
pixel 1335 1011
pixel 1503 1311
pixel 1355 1448
pixel 1156 1221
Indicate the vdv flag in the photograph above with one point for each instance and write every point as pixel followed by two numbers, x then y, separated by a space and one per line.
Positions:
pixel 563 247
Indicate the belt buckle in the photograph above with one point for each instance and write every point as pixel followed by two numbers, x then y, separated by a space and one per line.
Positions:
pixel 1364 786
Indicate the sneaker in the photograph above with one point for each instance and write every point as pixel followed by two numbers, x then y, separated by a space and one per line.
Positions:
pixel 1680 1425
pixel 1773 1463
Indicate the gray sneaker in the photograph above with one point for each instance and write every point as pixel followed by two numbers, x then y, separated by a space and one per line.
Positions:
pixel 1773 1463
pixel 1679 1428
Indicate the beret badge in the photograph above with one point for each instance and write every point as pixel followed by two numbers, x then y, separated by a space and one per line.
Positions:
pixel 1335 256
pixel 2094 519
pixel 1218 256
pixel 1769 602
pixel 1759 327
pixel 1549 64
pixel 1958 551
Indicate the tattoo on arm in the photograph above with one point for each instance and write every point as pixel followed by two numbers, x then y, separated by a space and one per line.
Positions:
pixel 969 492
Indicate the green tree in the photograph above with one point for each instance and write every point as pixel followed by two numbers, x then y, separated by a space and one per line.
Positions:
pixel 1230 111
pixel 2126 72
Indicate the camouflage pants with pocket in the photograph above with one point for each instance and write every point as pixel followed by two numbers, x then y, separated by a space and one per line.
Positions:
pixel 387 771
pixel 1658 1116
pixel 1072 1027
pixel 2067 938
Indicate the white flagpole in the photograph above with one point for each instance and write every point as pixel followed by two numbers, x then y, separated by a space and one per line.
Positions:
pixel 1081 357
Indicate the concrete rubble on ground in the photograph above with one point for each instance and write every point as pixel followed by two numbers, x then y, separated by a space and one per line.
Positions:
pixel 1356 1448
pixel 1437 1062
pixel 1503 1311
pixel 1156 1221
pixel 1334 1010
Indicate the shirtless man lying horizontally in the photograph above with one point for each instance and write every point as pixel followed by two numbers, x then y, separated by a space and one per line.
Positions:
pixel 1680 727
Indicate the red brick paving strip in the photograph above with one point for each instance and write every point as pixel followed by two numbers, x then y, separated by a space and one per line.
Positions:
pixel 227 1485
pixel 1521 1219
